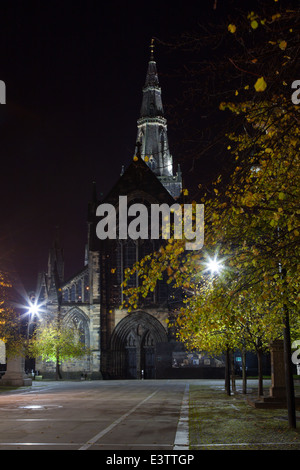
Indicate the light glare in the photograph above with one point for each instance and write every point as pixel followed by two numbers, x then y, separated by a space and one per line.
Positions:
pixel 33 308
pixel 214 266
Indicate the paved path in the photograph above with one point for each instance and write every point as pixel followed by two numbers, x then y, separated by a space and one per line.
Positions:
pixel 118 415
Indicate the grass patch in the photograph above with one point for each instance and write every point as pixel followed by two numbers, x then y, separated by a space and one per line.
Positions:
pixel 8 388
pixel 220 422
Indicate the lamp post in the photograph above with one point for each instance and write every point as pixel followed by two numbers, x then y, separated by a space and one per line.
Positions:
pixel 15 367
pixel 33 310
pixel 214 266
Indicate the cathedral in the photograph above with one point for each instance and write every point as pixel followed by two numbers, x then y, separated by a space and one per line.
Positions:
pixel 124 345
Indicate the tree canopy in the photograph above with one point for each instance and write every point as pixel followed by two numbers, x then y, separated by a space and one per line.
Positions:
pixel 252 213
pixel 52 341
pixel 10 327
pixel 56 342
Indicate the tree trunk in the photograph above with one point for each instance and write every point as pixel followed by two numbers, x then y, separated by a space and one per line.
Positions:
pixel 260 372
pixel 244 372
pixel 57 369
pixel 58 373
pixel 232 372
pixel 227 372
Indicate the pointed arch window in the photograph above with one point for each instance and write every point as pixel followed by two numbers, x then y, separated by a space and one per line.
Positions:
pixel 76 320
pixel 73 293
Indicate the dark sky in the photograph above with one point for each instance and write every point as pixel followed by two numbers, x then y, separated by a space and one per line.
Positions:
pixel 74 72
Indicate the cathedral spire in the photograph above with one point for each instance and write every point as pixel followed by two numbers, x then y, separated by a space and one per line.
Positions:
pixel 152 125
pixel 152 130
pixel 55 267
pixel 151 103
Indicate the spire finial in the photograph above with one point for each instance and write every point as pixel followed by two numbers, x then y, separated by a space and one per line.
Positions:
pixel 152 49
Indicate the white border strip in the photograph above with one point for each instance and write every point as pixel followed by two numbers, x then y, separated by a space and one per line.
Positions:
pixel 250 444
pixel 182 434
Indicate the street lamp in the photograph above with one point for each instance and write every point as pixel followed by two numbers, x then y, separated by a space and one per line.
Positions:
pixel 214 265
pixel 33 308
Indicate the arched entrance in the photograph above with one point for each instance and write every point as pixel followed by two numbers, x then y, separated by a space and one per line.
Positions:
pixel 133 346
pixel 148 356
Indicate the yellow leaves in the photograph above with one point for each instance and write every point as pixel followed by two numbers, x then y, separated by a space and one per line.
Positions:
pixel 169 270
pixel 276 16
pixel 260 84
pixel 232 28
pixel 282 45
pixel 253 20
pixel 255 251
pixel 252 16
pixel 249 199
pixel 276 217
pixel 281 196
pixel 185 192
pixel 290 225
pixel 254 24
pixel 186 285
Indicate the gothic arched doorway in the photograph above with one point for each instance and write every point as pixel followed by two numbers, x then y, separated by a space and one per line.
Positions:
pixel 133 346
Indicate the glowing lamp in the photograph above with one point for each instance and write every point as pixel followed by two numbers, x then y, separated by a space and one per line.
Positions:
pixel 214 266
pixel 33 308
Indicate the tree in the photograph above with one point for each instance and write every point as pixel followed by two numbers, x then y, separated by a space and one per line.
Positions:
pixel 10 327
pixel 56 343
pixel 251 214
pixel 236 55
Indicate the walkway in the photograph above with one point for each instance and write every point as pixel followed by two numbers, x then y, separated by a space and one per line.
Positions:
pixel 93 415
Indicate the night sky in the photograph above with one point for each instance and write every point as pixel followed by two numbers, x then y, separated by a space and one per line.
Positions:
pixel 74 72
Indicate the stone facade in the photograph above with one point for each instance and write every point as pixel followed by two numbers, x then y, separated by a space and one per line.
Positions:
pixel 124 345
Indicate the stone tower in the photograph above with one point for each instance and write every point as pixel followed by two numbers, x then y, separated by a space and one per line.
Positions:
pixel 152 135
pixel 123 344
